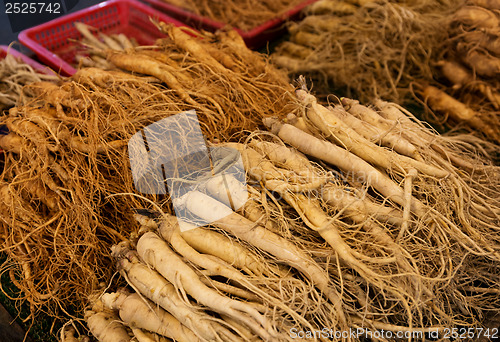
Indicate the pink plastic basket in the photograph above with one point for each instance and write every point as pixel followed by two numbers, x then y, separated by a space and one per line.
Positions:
pixel 254 38
pixel 55 44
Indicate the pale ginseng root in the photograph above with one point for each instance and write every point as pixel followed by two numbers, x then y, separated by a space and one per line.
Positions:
pixel 170 232
pixel 106 326
pixel 146 336
pixel 85 30
pixel 295 50
pixel 339 132
pixel 453 154
pixel 141 313
pixel 334 194
pixel 229 250
pixel 390 117
pixel 332 7
pixel 278 225
pixel 255 211
pixel 313 215
pixel 67 334
pixel 244 331
pixel 285 251
pixel 157 289
pixel 388 189
pixel 291 300
pixel 391 285
pixel 358 207
pixel 405 124
pixel 270 215
pixel 156 253
pixel 420 134
pixel 477 17
pixel 344 160
pixel 473 175
pixel 462 78
pixel 16 74
pixel 289 226
pixel 373 174
pixel 443 103
pixel 96 43
pixel 275 279
pixel 471 185
pixel 311 303
pixel 384 137
pixel 205 206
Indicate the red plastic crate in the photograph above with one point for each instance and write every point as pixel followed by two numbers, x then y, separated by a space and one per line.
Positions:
pixel 254 38
pixel 4 50
pixel 53 42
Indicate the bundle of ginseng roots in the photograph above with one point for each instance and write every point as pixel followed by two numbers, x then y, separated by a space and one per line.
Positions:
pixel 66 153
pixel 357 219
pixel 93 46
pixel 366 48
pixel 467 88
pixel 14 75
